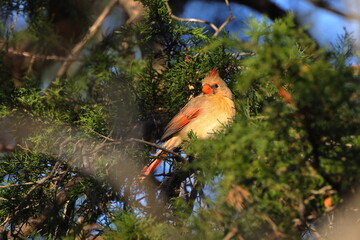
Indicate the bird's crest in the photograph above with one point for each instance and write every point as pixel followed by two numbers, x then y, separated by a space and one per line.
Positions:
pixel 213 73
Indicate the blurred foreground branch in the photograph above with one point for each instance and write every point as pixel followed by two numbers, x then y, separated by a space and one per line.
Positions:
pixel 92 31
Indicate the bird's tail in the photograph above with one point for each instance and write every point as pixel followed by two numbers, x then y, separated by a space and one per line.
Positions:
pixel 149 169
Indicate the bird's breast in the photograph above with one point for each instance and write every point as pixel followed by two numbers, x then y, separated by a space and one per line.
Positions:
pixel 216 112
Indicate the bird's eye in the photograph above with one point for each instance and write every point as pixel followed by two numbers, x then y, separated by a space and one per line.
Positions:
pixel 216 85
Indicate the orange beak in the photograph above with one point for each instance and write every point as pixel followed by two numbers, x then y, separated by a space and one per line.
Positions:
pixel 207 89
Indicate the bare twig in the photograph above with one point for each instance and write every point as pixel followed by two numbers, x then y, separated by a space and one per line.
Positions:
pixel 20 184
pixel 103 136
pixel 92 31
pixel 103 143
pixel 228 19
pixel 231 234
pixel 12 51
pixel 273 226
pixel 63 143
pixel 322 191
pixel 190 19
pixel 159 147
pixel 25 148
pixel 213 26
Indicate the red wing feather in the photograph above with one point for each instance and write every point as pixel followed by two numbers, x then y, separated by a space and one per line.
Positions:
pixel 180 121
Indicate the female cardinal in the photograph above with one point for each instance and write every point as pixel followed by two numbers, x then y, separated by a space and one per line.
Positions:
pixel 203 115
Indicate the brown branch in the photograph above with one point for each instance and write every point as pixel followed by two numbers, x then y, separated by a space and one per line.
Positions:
pixel 322 4
pixel 106 138
pixel 133 8
pixel 227 21
pixel 190 19
pixel 213 26
pixel 99 134
pixel 273 226
pixel 21 184
pixel 323 190
pixel 159 147
pixel 39 56
pixel 92 31
pixel 231 234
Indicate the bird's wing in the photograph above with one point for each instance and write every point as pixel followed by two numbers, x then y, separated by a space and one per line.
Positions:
pixel 180 121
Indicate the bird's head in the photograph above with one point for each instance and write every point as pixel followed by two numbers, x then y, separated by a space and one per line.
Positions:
pixel 213 84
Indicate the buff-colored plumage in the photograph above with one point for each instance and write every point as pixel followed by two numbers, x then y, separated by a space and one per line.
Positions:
pixel 204 115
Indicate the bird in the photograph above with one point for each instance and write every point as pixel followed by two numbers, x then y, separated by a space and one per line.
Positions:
pixel 204 115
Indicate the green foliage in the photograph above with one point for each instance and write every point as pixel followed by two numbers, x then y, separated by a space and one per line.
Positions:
pixel 129 226
pixel 281 152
